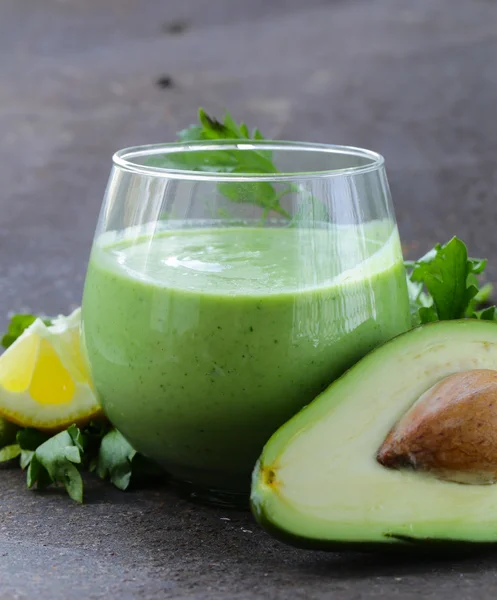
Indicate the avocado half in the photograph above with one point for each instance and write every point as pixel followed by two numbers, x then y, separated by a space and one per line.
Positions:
pixel 318 483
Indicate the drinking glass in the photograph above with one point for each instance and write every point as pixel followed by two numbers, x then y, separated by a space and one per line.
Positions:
pixel 229 284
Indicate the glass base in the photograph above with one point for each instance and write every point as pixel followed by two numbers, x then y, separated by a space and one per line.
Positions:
pixel 210 496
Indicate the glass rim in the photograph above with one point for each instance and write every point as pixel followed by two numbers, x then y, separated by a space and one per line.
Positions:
pixel 125 159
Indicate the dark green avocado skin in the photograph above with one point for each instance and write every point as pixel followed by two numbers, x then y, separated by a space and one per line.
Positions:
pixel 390 544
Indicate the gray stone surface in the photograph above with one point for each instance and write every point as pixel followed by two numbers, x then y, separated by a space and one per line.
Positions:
pixel 414 80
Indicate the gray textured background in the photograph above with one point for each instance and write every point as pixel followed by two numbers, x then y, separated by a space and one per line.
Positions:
pixel 416 81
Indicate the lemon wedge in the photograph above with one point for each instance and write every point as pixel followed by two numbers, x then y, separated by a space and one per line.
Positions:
pixel 44 380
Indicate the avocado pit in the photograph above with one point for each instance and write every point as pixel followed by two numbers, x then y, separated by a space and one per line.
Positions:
pixel 450 431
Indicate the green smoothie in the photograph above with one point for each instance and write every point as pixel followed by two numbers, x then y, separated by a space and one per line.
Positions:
pixel 203 341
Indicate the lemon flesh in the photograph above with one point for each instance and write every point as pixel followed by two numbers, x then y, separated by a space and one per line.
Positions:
pixel 44 381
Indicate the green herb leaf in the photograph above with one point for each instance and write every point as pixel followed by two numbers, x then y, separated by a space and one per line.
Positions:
pixel 477 265
pixel 231 128
pixel 115 458
pixel 58 456
pixel 444 271
pixel 9 452
pixel 251 161
pixel 244 131
pixel 488 314
pixel 30 439
pixel 450 280
pixel 26 458
pixel 78 439
pixel 261 194
pixel 428 314
pixel 8 432
pixel 18 323
pixel 119 462
pixel 417 299
pixel 37 474
pixel 444 284
pixel 310 211
pixel 58 459
pixel 254 161
pixel 481 298
pixel 191 134
pixel 33 473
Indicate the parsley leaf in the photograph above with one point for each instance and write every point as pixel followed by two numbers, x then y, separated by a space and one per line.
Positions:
pixel 29 438
pixel 56 460
pixel 310 211
pixel 115 458
pixel 228 161
pixel 18 323
pixel 444 271
pixel 444 284
pixel 37 474
pixel 487 314
pixel 260 193
pixel 9 452
pixel 252 161
pixel 8 432
pixel 119 461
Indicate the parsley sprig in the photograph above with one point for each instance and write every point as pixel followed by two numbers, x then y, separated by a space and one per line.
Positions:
pixel 253 161
pixel 445 284
pixel 61 459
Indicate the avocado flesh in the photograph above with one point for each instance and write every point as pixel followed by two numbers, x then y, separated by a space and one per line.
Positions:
pixel 318 483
